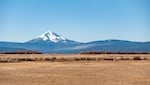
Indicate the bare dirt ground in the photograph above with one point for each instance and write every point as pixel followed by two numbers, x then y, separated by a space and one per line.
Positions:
pixel 76 73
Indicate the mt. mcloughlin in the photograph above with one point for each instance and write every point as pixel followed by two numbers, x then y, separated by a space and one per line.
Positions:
pixel 51 37
pixel 50 42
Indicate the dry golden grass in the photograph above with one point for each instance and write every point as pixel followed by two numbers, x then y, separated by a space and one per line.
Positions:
pixel 92 72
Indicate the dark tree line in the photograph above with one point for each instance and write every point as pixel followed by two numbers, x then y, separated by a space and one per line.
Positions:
pixel 21 52
pixel 106 52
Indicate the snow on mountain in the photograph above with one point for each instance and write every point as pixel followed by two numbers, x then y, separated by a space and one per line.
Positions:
pixel 53 37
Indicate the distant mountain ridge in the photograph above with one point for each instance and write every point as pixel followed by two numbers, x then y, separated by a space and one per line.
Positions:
pixel 50 42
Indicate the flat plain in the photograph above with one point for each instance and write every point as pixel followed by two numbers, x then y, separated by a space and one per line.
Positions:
pixel 75 71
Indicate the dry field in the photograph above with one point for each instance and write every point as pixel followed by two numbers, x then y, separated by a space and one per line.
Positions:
pixel 75 70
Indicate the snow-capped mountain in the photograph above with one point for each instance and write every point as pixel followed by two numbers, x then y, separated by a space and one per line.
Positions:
pixel 51 37
pixel 50 42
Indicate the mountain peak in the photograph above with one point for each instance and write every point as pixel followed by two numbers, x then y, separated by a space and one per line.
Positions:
pixel 51 36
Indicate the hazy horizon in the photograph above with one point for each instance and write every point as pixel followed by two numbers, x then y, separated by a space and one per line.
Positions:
pixel 79 20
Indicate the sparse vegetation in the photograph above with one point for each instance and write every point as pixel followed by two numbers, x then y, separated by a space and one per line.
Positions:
pixel 74 57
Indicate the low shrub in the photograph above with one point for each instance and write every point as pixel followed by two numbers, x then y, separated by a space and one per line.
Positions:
pixel 137 58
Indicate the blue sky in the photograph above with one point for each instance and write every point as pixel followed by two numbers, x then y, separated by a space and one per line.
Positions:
pixel 80 20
